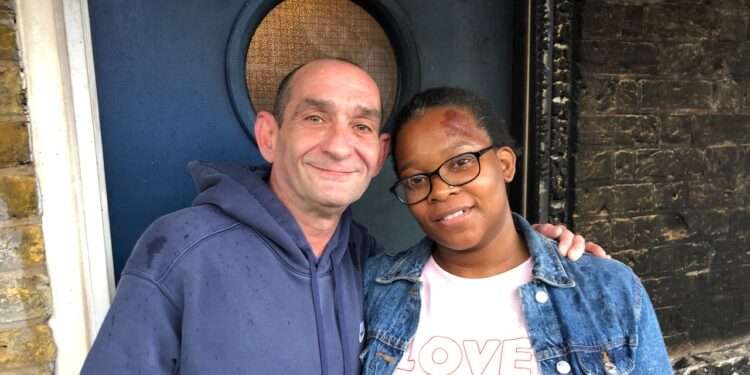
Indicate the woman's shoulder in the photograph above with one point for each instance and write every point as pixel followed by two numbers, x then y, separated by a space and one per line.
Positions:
pixel 591 273
pixel 400 263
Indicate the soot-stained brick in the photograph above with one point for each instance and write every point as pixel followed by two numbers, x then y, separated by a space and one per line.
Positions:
pixel 618 57
pixel 682 69
pixel 709 223
pixel 597 95
pixel 727 96
pixel 680 60
pixel 624 165
pixel 677 95
pixel 594 165
pixel 678 22
pixel 626 96
pixel 676 130
pixel 601 18
pixel 721 129
pixel 622 233
pixel 656 229
pixel 671 195
pixel 599 231
pixel 633 197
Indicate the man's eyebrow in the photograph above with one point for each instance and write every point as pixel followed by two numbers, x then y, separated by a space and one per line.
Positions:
pixel 370 112
pixel 322 105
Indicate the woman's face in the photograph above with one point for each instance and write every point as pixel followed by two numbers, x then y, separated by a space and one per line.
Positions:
pixel 463 217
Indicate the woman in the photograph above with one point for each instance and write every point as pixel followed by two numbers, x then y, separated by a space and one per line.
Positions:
pixel 484 293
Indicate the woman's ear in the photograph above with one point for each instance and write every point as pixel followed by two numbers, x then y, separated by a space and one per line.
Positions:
pixel 266 132
pixel 507 158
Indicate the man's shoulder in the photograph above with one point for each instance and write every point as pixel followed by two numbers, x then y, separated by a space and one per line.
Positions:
pixel 361 242
pixel 171 236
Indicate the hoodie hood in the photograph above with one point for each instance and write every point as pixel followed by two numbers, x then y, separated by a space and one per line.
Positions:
pixel 234 267
pixel 243 193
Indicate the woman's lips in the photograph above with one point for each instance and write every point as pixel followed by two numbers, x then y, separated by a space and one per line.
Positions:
pixel 454 216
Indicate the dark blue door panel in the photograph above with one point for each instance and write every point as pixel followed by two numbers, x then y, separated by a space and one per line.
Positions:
pixel 460 43
pixel 163 101
pixel 163 98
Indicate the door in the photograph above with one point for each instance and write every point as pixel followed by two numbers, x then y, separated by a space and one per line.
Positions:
pixel 168 85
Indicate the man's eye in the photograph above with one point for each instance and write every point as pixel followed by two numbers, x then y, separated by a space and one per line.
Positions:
pixel 364 128
pixel 416 182
pixel 314 118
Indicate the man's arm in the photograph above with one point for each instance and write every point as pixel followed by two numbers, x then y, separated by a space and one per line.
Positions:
pixel 140 335
pixel 569 244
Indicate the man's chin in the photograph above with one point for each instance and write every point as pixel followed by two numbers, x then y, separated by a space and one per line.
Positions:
pixel 338 200
pixel 338 203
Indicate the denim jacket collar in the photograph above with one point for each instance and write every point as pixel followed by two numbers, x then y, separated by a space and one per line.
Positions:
pixel 409 266
pixel 548 266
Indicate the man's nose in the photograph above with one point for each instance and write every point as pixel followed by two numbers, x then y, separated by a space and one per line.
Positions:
pixel 337 142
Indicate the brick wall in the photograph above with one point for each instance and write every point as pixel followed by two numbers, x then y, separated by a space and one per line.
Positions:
pixel 26 345
pixel 663 158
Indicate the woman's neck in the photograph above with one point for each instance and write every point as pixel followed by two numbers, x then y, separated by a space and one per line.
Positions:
pixel 506 251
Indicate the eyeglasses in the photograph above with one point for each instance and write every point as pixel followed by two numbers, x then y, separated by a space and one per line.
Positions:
pixel 456 171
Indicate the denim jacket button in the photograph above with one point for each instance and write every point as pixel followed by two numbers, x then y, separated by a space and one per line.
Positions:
pixel 541 296
pixel 610 368
pixel 563 367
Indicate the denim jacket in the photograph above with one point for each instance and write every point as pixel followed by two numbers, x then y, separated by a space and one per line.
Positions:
pixel 591 316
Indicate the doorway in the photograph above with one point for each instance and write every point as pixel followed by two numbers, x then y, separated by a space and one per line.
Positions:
pixel 171 75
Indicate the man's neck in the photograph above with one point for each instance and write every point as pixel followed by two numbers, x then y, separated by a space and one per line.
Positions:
pixel 317 224
pixel 317 230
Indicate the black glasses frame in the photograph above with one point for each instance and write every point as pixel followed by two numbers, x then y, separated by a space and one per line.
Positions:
pixel 476 154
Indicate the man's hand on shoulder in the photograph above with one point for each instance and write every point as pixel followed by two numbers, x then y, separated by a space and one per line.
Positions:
pixel 569 244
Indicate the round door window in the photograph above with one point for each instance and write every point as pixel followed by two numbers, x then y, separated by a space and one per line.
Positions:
pixel 297 31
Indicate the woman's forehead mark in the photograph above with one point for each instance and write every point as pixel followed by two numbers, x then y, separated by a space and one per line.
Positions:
pixel 460 123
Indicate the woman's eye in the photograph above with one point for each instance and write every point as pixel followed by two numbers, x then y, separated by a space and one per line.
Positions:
pixel 462 162
pixel 416 182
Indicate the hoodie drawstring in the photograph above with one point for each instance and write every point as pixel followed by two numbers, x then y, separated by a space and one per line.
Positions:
pixel 340 317
pixel 318 314
pixel 345 347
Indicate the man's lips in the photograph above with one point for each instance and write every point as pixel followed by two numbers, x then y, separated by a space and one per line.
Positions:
pixel 334 171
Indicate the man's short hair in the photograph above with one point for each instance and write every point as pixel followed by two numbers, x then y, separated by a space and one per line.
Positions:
pixel 284 90
pixel 487 118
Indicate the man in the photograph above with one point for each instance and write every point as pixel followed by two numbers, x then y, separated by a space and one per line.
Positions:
pixel 263 274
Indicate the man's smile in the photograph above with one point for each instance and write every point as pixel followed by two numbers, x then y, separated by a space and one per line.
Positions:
pixel 336 172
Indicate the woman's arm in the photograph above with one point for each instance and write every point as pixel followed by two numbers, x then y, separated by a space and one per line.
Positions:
pixel 651 354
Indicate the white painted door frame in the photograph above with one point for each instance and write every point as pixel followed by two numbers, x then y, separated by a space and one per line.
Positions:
pixel 55 44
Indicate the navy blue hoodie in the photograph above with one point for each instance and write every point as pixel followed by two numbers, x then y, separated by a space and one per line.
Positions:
pixel 231 286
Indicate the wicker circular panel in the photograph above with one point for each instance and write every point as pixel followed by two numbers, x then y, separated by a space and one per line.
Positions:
pixel 297 31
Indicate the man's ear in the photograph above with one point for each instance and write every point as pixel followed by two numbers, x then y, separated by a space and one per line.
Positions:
pixel 507 159
pixel 385 147
pixel 266 133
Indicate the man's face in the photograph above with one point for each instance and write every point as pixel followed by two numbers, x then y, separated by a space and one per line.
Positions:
pixel 328 146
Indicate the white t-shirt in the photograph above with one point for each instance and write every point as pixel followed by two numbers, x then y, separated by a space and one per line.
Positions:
pixel 470 326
